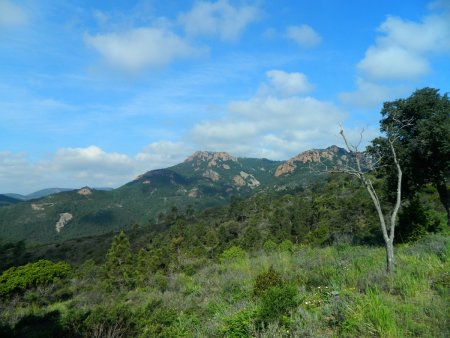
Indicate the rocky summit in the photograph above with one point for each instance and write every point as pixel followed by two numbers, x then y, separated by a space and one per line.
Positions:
pixel 330 154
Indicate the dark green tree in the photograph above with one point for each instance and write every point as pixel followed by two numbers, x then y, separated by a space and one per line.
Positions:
pixel 424 143
pixel 118 265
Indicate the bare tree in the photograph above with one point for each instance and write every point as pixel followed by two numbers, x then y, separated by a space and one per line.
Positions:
pixel 360 165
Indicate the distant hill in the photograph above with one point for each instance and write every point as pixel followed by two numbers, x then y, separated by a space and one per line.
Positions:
pixel 7 200
pixel 47 192
pixel 203 180
pixel 38 194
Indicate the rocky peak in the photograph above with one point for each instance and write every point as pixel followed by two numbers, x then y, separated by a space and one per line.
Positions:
pixel 211 158
pixel 315 155
pixel 85 191
pixel 310 156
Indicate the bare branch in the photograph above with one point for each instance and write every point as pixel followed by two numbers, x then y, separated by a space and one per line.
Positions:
pixel 359 164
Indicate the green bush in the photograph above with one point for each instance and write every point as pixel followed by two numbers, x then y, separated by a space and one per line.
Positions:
pixel 234 253
pixel 287 246
pixel 269 246
pixel 238 325
pixel 157 321
pixel 276 303
pixel 266 280
pixel 43 272
pixel 111 321
pixel 161 281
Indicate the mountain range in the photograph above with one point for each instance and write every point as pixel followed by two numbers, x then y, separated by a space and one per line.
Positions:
pixel 205 179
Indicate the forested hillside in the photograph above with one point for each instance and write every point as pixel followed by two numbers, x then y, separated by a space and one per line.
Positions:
pixel 203 180
pixel 282 260
pixel 298 262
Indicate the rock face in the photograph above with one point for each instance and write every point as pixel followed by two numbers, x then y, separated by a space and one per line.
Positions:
pixel 212 159
pixel 64 218
pixel 41 206
pixel 285 168
pixel 311 156
pixel 211 174
pixel 85 191
pixel 245 179
pixel 193 193
pixel 37 207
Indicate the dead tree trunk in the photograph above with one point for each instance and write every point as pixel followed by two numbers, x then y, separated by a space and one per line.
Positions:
pixel 387 225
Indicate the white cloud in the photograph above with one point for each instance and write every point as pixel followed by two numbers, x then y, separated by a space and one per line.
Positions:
pixel 432 34
pixel 158 44
pixel 401 52
pixel 371 95
pixel 15 171
pixel 286 84
pixel 271 125
pixel 91 161
pixel 218 18
pixel 136 49
pixel 163 154
pixel 11 15
pixel 304 35
pixel 88 166
pixel 393 63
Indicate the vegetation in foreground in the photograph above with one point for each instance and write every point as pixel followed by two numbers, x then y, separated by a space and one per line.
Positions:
pixel 283 290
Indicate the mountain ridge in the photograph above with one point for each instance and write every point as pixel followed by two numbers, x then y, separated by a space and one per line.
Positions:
pixel 204 179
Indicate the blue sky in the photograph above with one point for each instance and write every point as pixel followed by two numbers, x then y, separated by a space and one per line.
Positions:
pixel 97 92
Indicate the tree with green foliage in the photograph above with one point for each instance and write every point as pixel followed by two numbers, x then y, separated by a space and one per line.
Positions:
pixel 424 142
pixel 119 262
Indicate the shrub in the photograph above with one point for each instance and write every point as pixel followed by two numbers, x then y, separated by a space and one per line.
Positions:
pixel 161 281
pixel 238 325
pixel 287 246
pixel 269 246
pixel 115 321
pixel 234 253
pixel 434 244
pixel 276 303
pixel 43 272
pixel 157 321
pixel 265 280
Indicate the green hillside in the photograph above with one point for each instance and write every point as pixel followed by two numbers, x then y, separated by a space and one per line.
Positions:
pixel 202 181
pixel 291 263
pixel 7 200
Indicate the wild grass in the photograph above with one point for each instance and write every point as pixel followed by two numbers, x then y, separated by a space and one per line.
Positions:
pixel 339 291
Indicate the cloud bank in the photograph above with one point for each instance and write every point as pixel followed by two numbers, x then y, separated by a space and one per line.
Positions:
pixel 85 166
pixel 401 53
pixel 277 122
pixel 133 50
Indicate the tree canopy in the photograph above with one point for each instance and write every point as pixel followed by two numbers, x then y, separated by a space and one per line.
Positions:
pixel 421 123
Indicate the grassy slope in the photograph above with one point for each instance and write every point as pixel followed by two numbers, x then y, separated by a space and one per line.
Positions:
pixel 340 291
